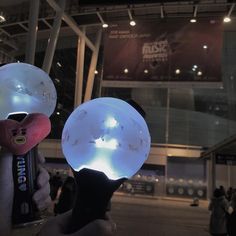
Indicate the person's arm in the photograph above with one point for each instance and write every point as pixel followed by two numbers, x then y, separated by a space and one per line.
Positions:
pixel 226 206
pixel 42 196
pixel 210 206
pixel 6 192
pixel 230 209
pixel 57 226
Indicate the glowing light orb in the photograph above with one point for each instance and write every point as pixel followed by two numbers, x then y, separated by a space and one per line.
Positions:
pixel 25 88
pixel 106 134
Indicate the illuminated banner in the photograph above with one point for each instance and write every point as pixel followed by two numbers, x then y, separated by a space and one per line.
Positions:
pixel 175 50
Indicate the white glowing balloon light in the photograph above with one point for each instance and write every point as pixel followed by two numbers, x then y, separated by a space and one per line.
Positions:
pixel 25 88
pixel 108 135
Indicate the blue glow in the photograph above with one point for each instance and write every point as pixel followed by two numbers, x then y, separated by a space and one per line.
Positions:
pixel 19 88
pixel 24 87
pixel 108 135
pixel 111 122
pixel 107 144
pixel 102 165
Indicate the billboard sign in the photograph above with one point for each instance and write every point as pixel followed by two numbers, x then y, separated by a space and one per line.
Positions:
pixel 172 50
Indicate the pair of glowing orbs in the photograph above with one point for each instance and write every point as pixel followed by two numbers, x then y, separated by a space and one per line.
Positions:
pixel 105 134
pixel 108 135
pixel 25 88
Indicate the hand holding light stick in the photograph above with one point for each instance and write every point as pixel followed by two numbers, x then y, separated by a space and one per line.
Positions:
pixel 27 99
pixel 105 141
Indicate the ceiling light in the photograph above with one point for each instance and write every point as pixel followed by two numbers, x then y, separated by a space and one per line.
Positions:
pixel 126 70
pixel 132 22
pixel 104 24
pixel 194 19
pixel 177 71
pixel 95 72
pixel 199 73
pixel 59 64
pixel 227 18
pixel 2 18
pixel 205 46
pixel 145 71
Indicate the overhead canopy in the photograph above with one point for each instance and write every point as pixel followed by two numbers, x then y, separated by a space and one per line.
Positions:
pixel 225 147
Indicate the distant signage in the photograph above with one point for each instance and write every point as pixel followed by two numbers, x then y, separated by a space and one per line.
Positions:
pixel 225 159
pixel 188 190
pixel 138 187
pixel 173 50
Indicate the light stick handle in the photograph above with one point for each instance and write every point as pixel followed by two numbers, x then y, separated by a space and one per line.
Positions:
pixel 94 191
pixel 24 175
pixel 24 170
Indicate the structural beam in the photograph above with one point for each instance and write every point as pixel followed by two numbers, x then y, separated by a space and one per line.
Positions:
pixel 92 68
pixel 72 23
pixel 8 41
pixel 51 47
pixel 23 26
pixel 32 33
pixel 231 9
pixel 213 173
pixel 46 23
pixel 79 71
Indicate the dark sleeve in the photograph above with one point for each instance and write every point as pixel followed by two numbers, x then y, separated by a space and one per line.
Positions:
pixel 210 207
pixel 226 205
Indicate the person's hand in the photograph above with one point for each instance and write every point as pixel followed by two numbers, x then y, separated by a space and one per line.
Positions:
pixel 6 192
pixel 41 196
pixel 57 226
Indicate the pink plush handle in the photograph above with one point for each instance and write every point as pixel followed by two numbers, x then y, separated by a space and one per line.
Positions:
pixel 20 137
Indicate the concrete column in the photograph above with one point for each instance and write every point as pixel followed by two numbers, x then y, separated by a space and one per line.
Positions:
pixel 72 23
pixel 92 68
pixel 52 42
pixel 228 175
pixel 32 33
pixel 167 117
pixel 211 176
pixel 79 71
pixel 213 173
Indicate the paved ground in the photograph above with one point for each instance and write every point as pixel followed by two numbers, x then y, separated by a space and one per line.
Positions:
pixel 146 217
pixel 138 216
